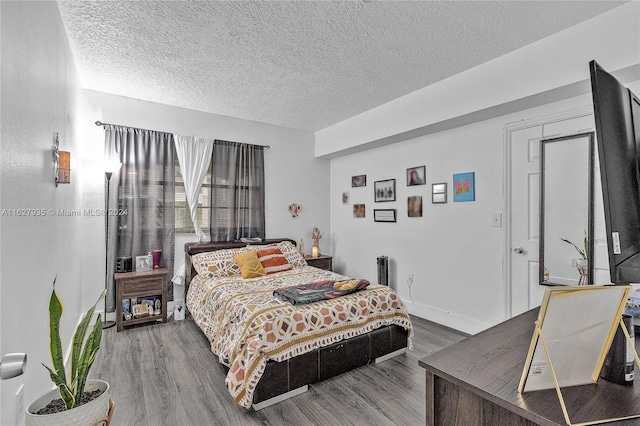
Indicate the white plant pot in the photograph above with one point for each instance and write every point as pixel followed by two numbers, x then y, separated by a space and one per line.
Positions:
pixel 84 415
pixel 582 266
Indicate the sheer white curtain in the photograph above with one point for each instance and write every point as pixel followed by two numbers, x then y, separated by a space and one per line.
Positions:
pixel 194 156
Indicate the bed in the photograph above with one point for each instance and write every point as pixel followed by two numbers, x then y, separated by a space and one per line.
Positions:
pixel 274 349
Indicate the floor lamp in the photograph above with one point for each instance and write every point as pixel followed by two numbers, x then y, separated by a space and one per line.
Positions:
pixel 107 175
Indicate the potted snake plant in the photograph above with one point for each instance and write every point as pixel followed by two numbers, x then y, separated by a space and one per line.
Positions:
pixel 75 400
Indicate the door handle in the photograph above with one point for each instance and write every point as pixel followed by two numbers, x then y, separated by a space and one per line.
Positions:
pixel 518 250
pixel 12 365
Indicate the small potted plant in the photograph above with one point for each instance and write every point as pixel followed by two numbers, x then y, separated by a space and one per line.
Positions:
pixel 75 400
pixel 582 263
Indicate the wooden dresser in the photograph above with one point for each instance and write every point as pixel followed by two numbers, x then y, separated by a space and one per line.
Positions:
pixel 475 382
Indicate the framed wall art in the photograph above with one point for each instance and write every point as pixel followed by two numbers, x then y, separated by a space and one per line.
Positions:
pixel 358 211
pixel 345 197
pixel 415 176
pixel 439 193
pixel 385 190
pixel 464 187
pixel 357 181
pixel 384 215
pixel 414 206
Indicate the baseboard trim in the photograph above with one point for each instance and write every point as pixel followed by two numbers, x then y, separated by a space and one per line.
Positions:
pixel 266 403
pixel 453 321
pixel 390 355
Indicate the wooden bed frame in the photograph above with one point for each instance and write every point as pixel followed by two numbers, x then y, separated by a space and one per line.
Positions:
pixel 282 380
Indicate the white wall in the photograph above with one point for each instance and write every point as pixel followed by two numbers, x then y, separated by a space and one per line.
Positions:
pixel 40 95
pixel 523 76
pixel 454 254
pixel 292 174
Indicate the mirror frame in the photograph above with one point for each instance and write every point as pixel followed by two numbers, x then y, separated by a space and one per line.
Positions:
pixel 590 171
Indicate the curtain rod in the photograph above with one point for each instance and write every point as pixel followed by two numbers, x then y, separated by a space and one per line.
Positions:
pixel 100 123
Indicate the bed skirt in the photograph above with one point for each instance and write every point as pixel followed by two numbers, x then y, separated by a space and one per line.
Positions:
pixel 329 361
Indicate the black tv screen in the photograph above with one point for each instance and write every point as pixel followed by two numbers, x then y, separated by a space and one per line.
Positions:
pixel 617 117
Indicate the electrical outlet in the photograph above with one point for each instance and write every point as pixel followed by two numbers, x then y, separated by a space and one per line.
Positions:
pixel 573 261
pixel 20 407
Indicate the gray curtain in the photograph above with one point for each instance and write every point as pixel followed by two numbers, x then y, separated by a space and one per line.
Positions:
pixel 145 198
pixel 237 191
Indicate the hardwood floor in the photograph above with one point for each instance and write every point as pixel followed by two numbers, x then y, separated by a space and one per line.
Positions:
pixel 165 374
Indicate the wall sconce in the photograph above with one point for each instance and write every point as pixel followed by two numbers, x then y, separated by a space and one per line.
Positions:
pixel 61 163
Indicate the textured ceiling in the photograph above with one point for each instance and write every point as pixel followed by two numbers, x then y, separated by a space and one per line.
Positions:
pixel 299 64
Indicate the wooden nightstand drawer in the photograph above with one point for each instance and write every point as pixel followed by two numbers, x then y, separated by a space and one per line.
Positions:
pixel 145 285
pixel 322 262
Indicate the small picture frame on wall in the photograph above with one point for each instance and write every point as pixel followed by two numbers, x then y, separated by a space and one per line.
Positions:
pixel 385 190
pixel 359 211
pixel 345 197
pixel 384 215
pixel 464 187
pixel 415 176
pixel 414 206
pixel 439 193
pixel 357 181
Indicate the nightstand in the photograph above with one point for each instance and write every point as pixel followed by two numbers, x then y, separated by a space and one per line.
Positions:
pixel 132 287
pixel 323 261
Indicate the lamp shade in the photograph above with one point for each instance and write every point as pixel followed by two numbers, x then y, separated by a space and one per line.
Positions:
pixel 64 167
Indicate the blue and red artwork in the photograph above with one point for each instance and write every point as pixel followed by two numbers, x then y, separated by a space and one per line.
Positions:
pixel 464 187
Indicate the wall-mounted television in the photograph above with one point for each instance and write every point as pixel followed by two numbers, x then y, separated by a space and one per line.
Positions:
pixel 617 117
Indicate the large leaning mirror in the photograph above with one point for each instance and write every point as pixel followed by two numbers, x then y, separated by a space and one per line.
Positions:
pixel 566 210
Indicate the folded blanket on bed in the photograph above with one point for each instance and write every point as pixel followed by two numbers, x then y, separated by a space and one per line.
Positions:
pixel 321 290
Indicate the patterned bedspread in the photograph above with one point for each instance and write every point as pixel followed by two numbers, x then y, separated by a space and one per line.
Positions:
pixel 247 325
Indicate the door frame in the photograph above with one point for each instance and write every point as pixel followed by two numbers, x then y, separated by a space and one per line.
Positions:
pixel 508 129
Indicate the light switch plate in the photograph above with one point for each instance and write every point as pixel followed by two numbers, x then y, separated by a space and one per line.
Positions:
pixel 496 220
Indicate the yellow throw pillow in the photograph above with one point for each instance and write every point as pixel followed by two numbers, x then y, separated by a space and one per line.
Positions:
pixel 250 266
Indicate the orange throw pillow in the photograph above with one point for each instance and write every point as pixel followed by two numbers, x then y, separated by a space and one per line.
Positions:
pixel 273 260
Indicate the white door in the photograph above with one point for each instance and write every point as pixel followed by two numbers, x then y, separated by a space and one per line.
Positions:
pixel 523 192
pixel 524 144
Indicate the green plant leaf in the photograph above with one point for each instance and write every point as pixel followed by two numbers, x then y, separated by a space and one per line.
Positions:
pixel 55 378
pixel 89 355
pixel 78 341
pixel 55 343
pixel 582 253
pixel 63 389
pixel 67 396
pixel 83 351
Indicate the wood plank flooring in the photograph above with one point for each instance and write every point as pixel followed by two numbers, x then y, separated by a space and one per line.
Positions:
pixel 165 374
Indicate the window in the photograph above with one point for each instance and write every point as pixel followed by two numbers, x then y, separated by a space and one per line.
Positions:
pixel 235 181
pixel 184 225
